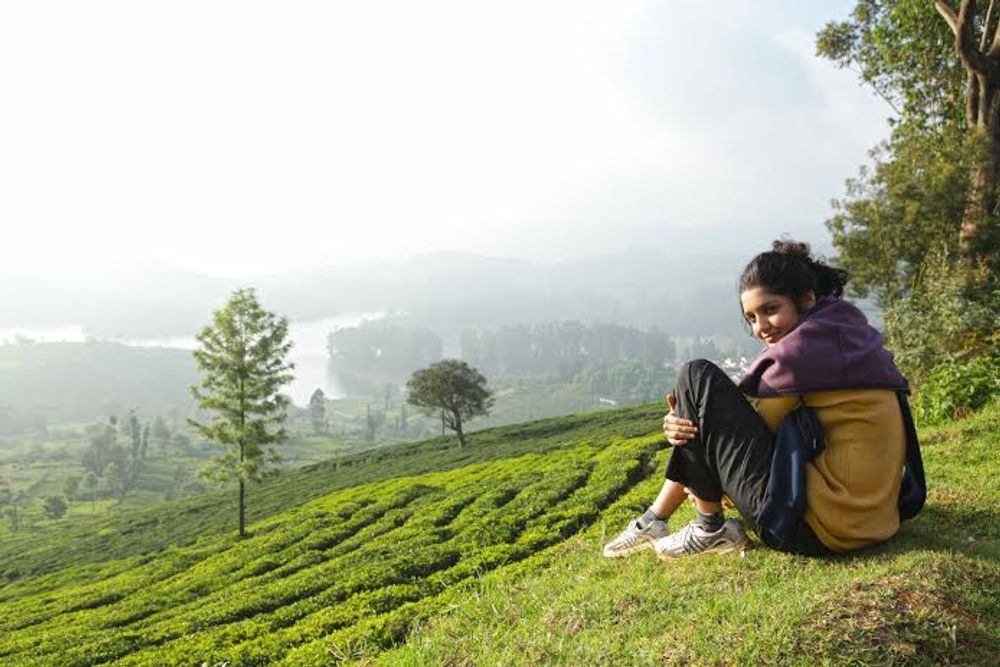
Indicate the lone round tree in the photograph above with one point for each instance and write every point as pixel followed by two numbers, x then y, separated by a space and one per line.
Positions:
pixel 242 358
pixel 452 389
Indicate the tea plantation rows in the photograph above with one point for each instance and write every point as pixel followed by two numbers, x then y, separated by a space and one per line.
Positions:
pixel 132 532
pixel 358 565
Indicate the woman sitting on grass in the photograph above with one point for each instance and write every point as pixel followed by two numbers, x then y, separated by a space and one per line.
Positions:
pixel 820 352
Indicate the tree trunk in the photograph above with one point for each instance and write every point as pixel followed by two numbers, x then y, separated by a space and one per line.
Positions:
pixel 242 519
pixel 990 178
pixel 981 60
pixel 985 94
pixel 242 493
pixel 458 430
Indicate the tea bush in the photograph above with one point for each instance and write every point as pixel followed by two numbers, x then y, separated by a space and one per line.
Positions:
pixel 359 565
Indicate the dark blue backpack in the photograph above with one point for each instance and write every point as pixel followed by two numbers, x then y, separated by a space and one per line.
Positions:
pixel 798 440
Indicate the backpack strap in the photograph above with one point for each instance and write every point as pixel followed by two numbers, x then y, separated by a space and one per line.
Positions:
pixel 913 490
pixel 799 439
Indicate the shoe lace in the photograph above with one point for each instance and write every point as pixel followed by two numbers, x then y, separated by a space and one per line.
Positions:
pixel 691 541
pixel 630 535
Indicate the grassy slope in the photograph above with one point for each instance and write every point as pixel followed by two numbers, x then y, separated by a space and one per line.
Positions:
pixel 359 564
pixel 147 530
pixel 494 559
pixel 929 597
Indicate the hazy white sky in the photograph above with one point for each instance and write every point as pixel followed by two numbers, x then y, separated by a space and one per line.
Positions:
pixel 244 137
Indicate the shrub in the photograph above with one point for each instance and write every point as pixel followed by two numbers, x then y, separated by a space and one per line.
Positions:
pixel 954 389
pixel 951 316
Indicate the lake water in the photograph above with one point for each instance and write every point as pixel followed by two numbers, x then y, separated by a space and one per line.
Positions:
pixel 308 351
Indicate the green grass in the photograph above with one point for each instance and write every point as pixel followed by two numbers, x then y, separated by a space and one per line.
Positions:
pixel 517 400
pixel 931 596
pixel 131 532
pixel 328 567
pixel 429 555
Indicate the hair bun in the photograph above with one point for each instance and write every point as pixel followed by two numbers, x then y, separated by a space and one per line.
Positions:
pixel 789 269
pixel 790 247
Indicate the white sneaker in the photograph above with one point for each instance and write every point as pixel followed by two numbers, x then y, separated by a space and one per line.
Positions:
pixel 692 539
pixel 635 538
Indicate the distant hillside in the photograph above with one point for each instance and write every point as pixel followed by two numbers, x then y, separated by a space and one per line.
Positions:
pixel 683 294
pixel 491 555
pixel 133 302
pixel 71 381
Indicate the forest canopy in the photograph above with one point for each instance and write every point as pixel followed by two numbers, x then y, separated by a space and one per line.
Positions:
pixel 917 228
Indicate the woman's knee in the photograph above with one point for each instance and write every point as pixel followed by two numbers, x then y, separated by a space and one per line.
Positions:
pixel 695 369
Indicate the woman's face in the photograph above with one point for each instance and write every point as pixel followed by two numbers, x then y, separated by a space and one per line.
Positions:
pixel 772 316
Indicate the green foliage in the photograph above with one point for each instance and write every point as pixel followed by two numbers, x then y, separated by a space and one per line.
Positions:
pixel 452 388
pixel 57 382
pixel 912 202
pixel 134 530
pixel 951 316
pixel 242 357
pixel 317 412
pixel 562 349
pixel 901 211
pixel 55 507
pixel 102 447
pixel 11 505
pixel 90 482
pixel 377 351
pixel 897 230
pixel 374 419
pixel 71 484
pixel 630 382
pixel 356 566
pixel 928 597
pixel 903 51
pixel 496 561
pixel 116 478
pixel 518 399
pixel 955 389
pixel 160 432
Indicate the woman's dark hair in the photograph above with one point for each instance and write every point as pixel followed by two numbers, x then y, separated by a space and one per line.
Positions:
pixel 789 269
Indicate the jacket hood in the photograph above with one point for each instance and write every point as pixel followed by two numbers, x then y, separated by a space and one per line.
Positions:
pixel 833 347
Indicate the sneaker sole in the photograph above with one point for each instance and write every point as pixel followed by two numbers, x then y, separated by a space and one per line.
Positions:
pixel 721 549
pixel 627 552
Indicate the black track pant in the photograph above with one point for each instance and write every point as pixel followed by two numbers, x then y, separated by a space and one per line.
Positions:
pixel 731 454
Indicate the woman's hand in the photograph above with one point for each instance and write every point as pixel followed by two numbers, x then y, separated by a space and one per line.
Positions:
pixel 677 430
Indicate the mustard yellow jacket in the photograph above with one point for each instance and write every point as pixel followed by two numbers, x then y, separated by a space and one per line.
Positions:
pixel 852 486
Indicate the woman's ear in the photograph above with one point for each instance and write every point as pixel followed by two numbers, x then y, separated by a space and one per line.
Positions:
pixel 808 300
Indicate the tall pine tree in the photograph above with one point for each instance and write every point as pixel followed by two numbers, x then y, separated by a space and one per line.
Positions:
pixel 242 356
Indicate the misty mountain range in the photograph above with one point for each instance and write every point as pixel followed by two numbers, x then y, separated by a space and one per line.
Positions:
pixel 680 294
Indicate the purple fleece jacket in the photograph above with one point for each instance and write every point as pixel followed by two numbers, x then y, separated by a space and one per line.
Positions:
pixel 833 347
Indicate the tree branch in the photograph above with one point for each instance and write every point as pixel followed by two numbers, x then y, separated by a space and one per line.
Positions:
pixel 948 14
pixel 965 38
pixel 878 91
pixel 991 38
pixel 989 28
